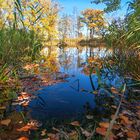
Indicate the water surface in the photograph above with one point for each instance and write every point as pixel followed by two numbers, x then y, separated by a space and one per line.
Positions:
pixel 67 100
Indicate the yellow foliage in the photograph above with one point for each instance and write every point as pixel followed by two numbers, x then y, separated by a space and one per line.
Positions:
pixel 38 15
pixel 94 18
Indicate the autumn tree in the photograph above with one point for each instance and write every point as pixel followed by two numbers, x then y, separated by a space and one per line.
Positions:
pixel 94 20
pixel 41 16
pixel 36 15
pixel 6 13
pixel 65 27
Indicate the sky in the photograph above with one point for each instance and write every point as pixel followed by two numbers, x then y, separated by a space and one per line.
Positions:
pixel 68 6
pixel 80 4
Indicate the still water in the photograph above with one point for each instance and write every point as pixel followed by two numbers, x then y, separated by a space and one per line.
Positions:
pixel 67 100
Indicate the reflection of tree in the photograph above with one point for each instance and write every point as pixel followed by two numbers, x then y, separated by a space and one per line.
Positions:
pixel 51 63
pixel 65 59
pixel 78 58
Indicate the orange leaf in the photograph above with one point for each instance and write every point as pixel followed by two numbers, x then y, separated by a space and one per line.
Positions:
pixel 116 127
pixel 75 123
pixel 125 120
pixel 131 134
pixel 26 128
pixel 23 138
pixel 138 107
pixel 113 90
pixel 101 131
pixel 104 124
pixel 25 104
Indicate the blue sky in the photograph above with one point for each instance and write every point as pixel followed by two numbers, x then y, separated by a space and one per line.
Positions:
pixel 83 4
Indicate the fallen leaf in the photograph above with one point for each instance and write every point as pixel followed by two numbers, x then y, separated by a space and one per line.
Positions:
pixel 95 92
pixel 101 130
pixel 23 93
pixel 23 138
pixel 5 122
pixel 121 134
pixel 43 132
pixel 104 124
pixel 34 123
pixel 131 134
pixel 138 113
pixel 114 90
pixel 113 106
pixel 20 122
pixel 75 123
pixel 20 98
pixel 116 127
pixel 25 104
pixel 112 116
pixel 138 107
pixel 125 120
pixel 89 117
pixel 26 128
pixel 3 108
pixel 55 129
pixel 73 135
pixel 85 132
pixel 53 136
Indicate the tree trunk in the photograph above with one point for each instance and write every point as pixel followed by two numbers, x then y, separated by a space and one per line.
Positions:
pixel 91 33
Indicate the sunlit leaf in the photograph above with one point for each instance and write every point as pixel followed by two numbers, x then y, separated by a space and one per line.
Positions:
pixel 23 138
pixel 104 124
pixel 101 130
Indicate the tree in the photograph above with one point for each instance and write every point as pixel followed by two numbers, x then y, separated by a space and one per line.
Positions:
pixel 94 20
pixel 41 16
pixel 111 5
pixel 65 27
pixel 37 15
pixel 79 27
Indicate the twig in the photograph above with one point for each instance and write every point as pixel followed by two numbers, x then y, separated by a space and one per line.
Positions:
pixel 93 132
pixel 115 117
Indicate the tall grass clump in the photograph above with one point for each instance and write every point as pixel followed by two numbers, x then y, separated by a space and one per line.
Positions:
pixel 123 37
pixel 18 46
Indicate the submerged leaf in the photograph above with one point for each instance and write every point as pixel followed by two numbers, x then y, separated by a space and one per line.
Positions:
pixel 114 90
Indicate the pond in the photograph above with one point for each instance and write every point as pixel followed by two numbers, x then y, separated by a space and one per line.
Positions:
pixel 67 100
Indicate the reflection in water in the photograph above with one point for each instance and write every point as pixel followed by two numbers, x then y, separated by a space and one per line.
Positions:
pixel 67 100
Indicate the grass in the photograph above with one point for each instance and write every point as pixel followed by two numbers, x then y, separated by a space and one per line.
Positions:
pixel 18 46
